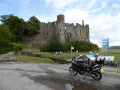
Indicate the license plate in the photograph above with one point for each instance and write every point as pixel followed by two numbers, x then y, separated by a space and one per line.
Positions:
pixel 101 70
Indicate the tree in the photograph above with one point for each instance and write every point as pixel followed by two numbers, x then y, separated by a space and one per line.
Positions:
pixel 5 35
pixel 4 18
pixel 16 26
pixel 33 26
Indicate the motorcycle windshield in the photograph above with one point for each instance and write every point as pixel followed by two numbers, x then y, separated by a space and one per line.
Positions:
pixel 91 57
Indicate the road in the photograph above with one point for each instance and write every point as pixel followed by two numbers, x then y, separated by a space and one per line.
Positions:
pixel 24 76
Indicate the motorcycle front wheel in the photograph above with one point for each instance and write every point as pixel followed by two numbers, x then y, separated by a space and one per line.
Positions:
pixel 97 75
pixel 72 71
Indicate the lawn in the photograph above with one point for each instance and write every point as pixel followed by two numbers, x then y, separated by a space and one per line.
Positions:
pixel 45 57
pixel 65 55
pixel 30 59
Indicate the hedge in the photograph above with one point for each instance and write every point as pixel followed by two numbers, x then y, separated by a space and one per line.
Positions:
pixel 7 47
pixel 81 46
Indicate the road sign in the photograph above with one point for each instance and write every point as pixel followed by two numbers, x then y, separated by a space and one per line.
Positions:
pixel 105 46
pixel 105 43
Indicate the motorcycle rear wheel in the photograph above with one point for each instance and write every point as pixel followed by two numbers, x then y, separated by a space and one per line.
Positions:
pixel 97 75
pixel 72 71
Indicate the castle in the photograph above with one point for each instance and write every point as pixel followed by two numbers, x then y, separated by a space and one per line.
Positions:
pixel 58 31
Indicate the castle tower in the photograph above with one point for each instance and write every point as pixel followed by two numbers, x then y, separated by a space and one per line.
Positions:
pixel 60 28
pixel 87 33
pixel 82 22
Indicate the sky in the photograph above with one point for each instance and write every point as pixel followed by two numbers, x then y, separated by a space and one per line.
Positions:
pixel 103 16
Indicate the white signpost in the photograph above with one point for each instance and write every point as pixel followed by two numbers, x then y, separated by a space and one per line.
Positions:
pixel 71 52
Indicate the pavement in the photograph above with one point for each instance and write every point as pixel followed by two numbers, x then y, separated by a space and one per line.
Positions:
pixel 31 76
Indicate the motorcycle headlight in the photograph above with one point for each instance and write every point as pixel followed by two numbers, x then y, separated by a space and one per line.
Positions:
pixel 96 65
pixel 73 61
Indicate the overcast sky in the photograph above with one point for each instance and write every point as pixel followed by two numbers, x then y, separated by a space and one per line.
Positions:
pixel 103 16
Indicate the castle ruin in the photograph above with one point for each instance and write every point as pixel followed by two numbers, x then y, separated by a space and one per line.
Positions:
pixel 58 31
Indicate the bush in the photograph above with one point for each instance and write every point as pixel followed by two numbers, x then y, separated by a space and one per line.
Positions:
pixel 38 55
pixel 44 48
pixel 55 46
pixel 7 47
pixel 67 47
pixel 4 50
pixel 16 46
pixel 81 46
pixel 52 47
pixel 5 34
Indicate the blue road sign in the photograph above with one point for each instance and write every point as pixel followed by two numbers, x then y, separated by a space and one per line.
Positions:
pixel 105 46
pixel 105 43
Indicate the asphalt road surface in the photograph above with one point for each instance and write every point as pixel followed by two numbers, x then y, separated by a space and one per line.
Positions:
pixel 22 76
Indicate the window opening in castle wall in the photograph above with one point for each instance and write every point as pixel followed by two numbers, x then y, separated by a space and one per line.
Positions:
pixel 86 35
pixel 69 35
pixel 81 34
pixel 65 27
pixel 76 34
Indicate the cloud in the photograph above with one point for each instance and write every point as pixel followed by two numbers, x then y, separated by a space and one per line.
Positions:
pixel 0 22
pixel 116 6
pixel 107 27
pixel 92 3
pixel 102 26
pixel 104 4
pixel 75 15
pixel 60 3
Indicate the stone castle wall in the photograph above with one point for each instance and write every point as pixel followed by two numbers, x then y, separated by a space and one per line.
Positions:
pixel 58 31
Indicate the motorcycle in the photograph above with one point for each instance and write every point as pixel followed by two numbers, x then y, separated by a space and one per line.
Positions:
pixel 80 67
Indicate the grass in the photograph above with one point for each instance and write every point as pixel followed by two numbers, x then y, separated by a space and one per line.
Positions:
pixel 65 55
pixel 29 59
pixel 45 56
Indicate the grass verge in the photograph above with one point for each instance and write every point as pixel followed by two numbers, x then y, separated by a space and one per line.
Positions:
pixel 30 59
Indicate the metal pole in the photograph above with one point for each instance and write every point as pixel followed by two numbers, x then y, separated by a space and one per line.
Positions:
pixel 71 54
pixel 108 47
